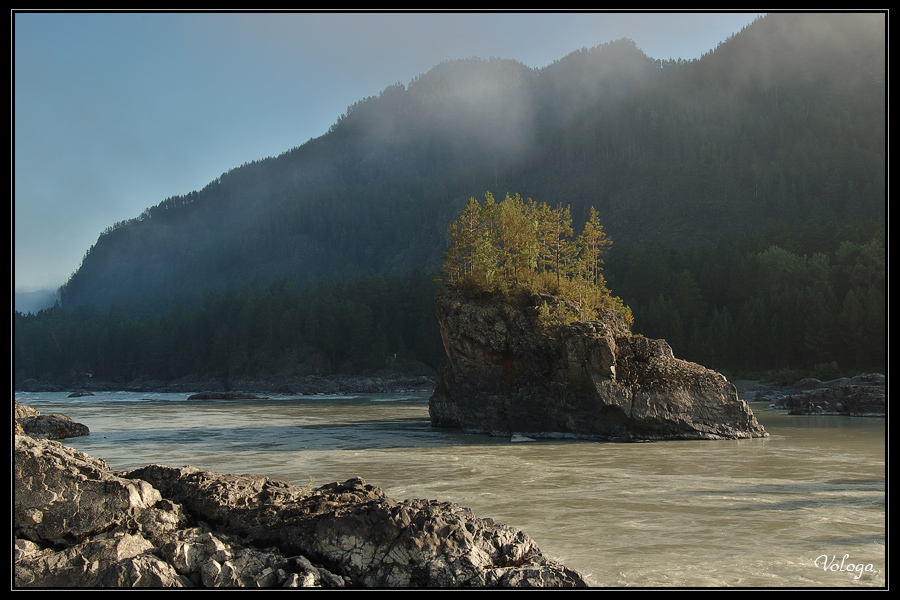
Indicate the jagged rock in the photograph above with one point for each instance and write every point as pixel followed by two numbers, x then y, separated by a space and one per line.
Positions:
pixel 504 374
pixel 23 411
pixel 357 531
pixel 117 560
pixel 77 523
pixel 30 422
pixel 55 427
pixel 62 495
pixel 225 561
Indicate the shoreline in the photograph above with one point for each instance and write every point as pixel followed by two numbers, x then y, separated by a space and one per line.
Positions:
pixel 863 395
pixel 308 385
pixel 808 396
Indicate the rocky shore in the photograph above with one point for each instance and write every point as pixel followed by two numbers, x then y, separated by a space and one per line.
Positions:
pixel 78 523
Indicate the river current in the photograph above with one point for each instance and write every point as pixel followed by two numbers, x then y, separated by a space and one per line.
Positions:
pixel 805 507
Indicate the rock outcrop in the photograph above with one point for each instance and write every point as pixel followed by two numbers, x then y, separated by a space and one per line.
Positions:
pixel 77 523
pixel 28 420
pixel 860 396
pixel 504 374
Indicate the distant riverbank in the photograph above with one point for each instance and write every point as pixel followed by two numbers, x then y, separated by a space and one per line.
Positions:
pixel 809 396
pixel 397 376
pixel 862 395
pixel 306 385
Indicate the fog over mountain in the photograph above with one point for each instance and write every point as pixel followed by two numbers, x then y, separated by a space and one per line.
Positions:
pixel 32 302
pixel 782 122
pixel 114 112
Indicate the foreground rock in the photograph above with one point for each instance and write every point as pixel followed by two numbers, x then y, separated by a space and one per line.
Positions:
pixel 29 421
pixel 504 375
pixel 77 523
pixel 860 396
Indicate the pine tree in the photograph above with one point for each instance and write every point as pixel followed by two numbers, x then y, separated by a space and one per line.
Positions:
pixel 459 261
pixel 593 243
pixel 554 232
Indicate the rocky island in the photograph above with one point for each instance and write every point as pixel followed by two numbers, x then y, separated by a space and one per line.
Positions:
pixel 504 374
pixel 79 523
pixel 537 345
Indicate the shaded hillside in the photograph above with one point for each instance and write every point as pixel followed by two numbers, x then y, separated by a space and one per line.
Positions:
pixel 784 121
pixel 274 333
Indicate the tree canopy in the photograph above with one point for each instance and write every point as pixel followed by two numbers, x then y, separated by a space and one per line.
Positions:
pixel 518 244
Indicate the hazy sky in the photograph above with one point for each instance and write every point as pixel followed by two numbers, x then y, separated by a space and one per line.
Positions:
pixel 115 112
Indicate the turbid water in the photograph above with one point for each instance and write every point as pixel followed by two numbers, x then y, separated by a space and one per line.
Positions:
pixel 802 508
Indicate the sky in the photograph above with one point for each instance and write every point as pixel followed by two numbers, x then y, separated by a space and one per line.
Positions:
pixel 115 112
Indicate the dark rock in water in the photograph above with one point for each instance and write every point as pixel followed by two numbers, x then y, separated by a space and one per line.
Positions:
pixel 860 396
pixel 29 421
pixel 80 394
pixel 504 374
pixel 77 523
pixel 224 396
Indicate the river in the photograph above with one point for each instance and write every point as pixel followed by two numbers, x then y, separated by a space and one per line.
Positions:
pixel 804 507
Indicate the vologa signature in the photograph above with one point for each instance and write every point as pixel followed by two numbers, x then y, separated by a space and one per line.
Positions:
pixel 833 565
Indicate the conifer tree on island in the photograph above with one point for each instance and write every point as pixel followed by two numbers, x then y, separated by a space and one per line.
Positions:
pixel 517 245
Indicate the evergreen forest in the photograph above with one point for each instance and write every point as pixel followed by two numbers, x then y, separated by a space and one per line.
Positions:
pixel 268 333
pixel 745 191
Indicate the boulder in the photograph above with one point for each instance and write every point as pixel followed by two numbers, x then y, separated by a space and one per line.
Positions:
pixel 30 422
pixel 505 374
pixel 62 495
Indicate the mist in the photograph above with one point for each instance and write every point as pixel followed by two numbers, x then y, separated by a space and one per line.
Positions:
pixel 115 112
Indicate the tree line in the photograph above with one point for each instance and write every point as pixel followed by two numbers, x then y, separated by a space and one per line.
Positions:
pixel 348 328
pixel 802 304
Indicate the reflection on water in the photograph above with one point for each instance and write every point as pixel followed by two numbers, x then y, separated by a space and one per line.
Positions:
pixel 747 513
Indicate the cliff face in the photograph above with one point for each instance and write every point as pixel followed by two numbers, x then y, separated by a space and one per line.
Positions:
pixel 503 374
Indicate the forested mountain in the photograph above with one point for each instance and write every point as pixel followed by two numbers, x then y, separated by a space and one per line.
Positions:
pixel 374 194
pixel 785 121
pixel 776 139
